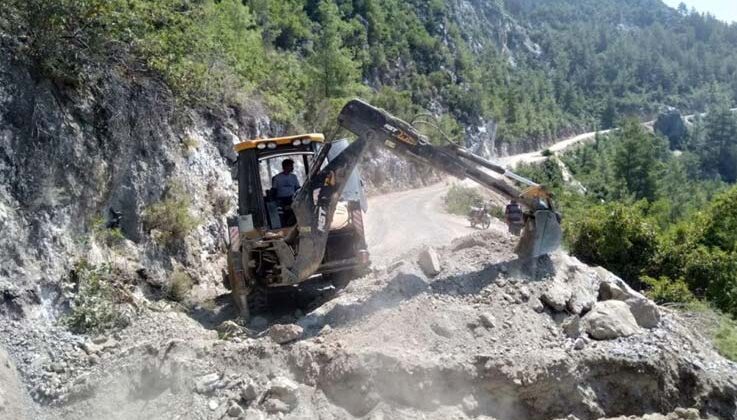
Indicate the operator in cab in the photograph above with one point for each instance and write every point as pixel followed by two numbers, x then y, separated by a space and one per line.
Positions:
pixel 285 184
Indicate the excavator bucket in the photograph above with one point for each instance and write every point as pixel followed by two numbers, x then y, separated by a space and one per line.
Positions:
pixel 541 235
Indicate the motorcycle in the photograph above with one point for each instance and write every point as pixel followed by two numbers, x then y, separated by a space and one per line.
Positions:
pixel 480 216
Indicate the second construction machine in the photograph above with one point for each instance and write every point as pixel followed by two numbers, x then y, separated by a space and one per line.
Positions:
pixel 264 253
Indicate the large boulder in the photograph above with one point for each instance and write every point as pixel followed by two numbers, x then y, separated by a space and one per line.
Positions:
pixel 644 310
pixel 609 319
pixel 284 333
pixel 429 262
pixel 556 296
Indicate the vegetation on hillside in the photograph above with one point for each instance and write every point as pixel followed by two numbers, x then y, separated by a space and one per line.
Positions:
pixel 597 59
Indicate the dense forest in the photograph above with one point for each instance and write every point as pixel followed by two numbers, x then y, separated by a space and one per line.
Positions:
pixel 534 68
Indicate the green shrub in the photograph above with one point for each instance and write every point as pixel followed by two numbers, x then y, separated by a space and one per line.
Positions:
pixel 459 199
pixel 180 284
pixel 497 212
pixel 92 308
pixel 171 217
pixel 617 236
pixel 547 153
pixel 664 290
pixel 109 236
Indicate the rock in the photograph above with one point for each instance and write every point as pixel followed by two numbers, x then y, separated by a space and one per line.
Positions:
pixel 537 305
pixel 572 326
pixel 579 344
pixel 325 330
pixel 608 291
pixel 57 367
pixel 670 123
pixel 645 311
pixel 556 296
pixel 487 320
pixel 284 390
pixel 93 359
pixel 524 293
pixel 273 406
pixel 207 384
pixel 429 262
pixel 580 302
pixel 284 333
pixel 99 339
pixel 465 242
pixel 687 414
pixel 441 330
pixel 213 404
pixel 608 320
pixel 249 391
pixel 91 348
pixel 407 283
pixel 253 414
pixel 235 410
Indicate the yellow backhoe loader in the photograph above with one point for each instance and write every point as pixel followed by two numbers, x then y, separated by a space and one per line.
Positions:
pixel 319 231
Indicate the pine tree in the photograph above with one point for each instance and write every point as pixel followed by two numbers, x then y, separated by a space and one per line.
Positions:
pixel 720 145
pixel 609 114
pixel 335 70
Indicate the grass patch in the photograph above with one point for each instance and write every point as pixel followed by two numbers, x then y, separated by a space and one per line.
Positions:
pixel 720 328
pixel 92 308
pixel 459 200
pixel 725 338
pixel 180 284
pixel 171 217
pixel 189 145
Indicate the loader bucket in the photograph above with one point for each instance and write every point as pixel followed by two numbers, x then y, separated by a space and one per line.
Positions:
pixel 542 235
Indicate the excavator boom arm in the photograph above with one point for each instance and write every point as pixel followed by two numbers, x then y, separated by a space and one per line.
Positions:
pixel 315 203
pixel 378 126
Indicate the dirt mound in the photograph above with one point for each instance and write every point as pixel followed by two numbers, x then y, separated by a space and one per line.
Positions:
pixel 488 337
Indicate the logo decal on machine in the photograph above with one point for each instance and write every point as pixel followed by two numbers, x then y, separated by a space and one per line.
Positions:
pixel 400 135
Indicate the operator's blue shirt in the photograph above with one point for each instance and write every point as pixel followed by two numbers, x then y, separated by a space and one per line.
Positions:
pixel 285 184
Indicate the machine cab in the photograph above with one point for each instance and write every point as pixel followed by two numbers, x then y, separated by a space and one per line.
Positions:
pixel 260 207
pixel 265 218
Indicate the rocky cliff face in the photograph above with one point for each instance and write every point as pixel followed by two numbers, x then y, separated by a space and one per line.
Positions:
pixel 67 158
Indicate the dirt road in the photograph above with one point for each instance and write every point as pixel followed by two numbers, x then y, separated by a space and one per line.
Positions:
pixel 400 221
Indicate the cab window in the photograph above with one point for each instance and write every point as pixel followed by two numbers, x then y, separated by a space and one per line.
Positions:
pixel 272 166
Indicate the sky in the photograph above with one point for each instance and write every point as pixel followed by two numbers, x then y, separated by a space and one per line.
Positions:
pixel 722 9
